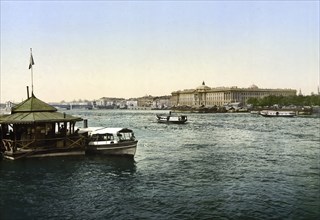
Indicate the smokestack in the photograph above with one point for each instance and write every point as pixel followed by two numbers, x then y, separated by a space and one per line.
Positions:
pixel 28 92
pixel 85 123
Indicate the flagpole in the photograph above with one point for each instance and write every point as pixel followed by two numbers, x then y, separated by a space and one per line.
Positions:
pixel 30 67
pixel 31 73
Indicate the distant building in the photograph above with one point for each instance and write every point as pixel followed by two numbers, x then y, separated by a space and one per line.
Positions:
pixel 132 104
pixel 145 102
pixel 106 102
pixel 206 96
pixel 161 102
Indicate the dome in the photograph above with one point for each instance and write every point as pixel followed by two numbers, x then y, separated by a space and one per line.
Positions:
pixel 203 87
pixel 253 86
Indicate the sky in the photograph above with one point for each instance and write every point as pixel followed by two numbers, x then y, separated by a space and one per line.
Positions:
pixel 127 49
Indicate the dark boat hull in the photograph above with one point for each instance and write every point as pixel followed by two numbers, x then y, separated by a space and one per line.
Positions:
pixel 274 116
pixel 53 152
pixel 169 119
pixel 172 122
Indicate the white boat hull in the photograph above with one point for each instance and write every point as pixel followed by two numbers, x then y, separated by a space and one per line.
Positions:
pixel 278 113
pixel 122 148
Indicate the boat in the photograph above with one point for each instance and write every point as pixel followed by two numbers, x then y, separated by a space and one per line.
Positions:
pixel 273 113
pixel 174 119
pixel 36 129
pixel 110 141
pixel 255 112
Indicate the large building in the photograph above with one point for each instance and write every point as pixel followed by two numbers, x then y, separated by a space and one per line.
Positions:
pixel 206 96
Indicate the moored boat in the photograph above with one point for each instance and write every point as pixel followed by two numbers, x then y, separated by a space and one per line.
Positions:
pixel 110 141
pixel 174 119
pixel 36 129
pixel 272 113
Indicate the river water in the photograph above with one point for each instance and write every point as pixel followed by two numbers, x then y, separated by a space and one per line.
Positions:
pixel 217 166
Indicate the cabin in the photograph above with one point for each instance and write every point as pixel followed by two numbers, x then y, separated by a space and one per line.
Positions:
pixel 36 129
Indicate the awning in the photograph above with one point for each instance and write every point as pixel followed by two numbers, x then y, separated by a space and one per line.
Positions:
pixel 37 117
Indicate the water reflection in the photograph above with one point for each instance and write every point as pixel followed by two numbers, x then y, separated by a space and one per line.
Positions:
pixel 114 164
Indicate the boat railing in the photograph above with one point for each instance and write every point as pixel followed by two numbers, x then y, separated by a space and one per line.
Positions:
pixel 8 145
pixel 67 142
pixel 75 141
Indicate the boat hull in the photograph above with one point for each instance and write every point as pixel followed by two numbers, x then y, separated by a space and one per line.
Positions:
pixel 288 114
pixel 118 149
pixel 169 119
pixel 34 153
pixel 171 122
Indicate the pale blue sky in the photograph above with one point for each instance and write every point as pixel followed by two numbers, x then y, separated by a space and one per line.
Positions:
pixel 91 49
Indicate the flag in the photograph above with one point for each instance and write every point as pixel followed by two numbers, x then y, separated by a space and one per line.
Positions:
pixel 31 62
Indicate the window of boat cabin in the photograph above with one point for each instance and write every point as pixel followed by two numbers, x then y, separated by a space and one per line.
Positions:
pixel 125 136
pixel 102 137
pixel 109 137
pixel 96 137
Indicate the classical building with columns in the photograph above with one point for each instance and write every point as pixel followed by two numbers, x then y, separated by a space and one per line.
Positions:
pixel 205 96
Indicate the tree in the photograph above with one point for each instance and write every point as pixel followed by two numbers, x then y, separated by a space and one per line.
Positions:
pixel 253 101
pixel 312 100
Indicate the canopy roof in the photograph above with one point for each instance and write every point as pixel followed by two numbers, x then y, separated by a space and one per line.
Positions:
pixel 104 130
pixel 32 117
pixel 33 104
pixel 34 110
pixel 112 131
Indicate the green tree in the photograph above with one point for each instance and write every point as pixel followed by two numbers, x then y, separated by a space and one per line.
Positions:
pixel 285 100
pixel 253 101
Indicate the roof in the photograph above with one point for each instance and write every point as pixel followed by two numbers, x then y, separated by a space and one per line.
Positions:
pixel 31 117
pixel 112 131
pixel 104 130
pixel 34 110
pixel 203 86
pixel 33 104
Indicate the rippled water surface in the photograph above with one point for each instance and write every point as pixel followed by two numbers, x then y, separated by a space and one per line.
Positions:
pixel 217 166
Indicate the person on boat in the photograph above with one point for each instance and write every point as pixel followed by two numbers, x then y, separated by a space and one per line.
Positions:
pixel 62 129
pixel 11 134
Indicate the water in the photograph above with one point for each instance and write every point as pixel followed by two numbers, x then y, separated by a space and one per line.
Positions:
pixel 217 166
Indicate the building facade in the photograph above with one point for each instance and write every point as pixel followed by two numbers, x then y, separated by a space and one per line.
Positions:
pixel 206 96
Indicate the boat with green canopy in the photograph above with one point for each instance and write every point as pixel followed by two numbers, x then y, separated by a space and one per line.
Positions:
pixel 36 129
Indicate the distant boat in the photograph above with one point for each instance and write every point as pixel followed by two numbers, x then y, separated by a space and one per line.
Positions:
pixel 272 113
pixel 255 112
pixel 173 119
pixel 110 141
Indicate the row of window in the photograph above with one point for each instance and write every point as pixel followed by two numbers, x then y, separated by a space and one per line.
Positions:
pixel 221 98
